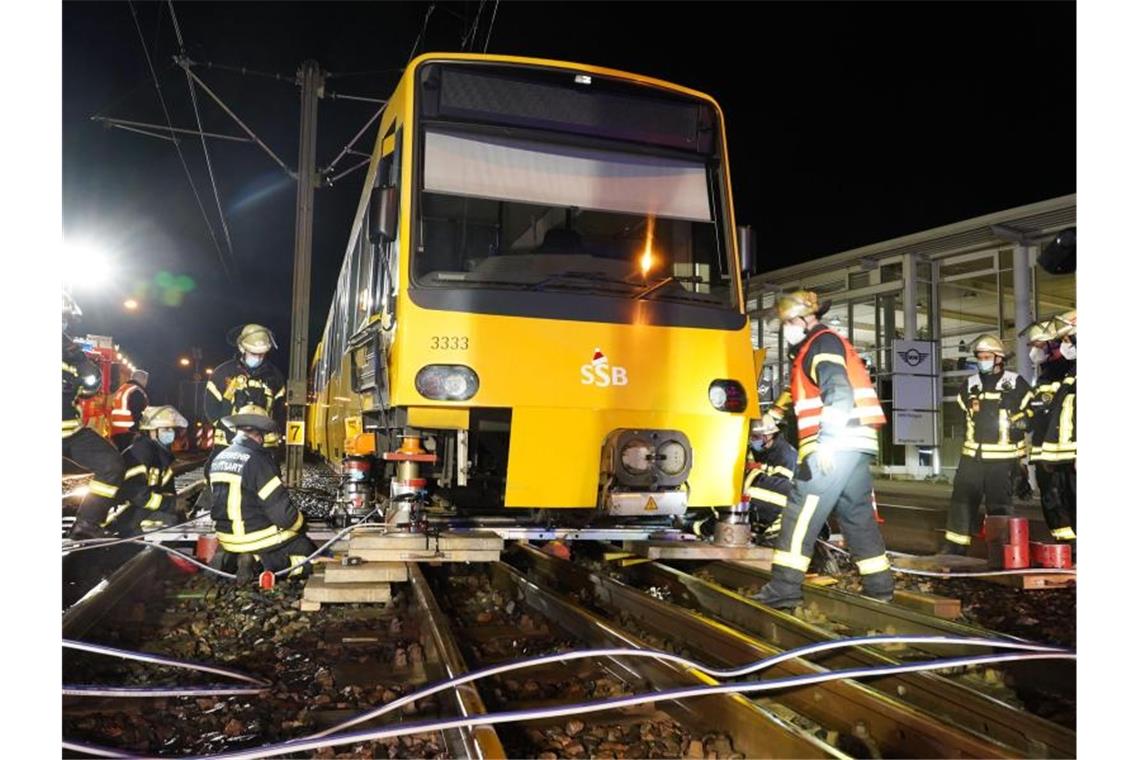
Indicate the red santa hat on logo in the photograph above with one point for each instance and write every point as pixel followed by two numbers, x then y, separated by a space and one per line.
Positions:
pixel 599 357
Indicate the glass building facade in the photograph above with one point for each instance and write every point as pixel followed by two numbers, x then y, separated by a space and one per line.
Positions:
pixel 948 285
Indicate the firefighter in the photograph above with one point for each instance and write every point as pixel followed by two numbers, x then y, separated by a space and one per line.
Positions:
pixel 82 445
pixel 1051 369
pixel 244 380
pixel 996 402
pixel 769 483
pixel 1058 452
pixel 252 513
pixel 148 484
pixel 127 406
pixel 837 414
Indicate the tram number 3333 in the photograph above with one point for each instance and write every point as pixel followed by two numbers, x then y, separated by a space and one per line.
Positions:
pixel 453 342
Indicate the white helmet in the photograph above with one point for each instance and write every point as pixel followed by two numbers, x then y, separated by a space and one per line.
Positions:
pixel 155 417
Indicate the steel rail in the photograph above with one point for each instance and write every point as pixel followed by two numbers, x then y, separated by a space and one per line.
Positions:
pixel 860 613
pixel 884 722
pixel 756 731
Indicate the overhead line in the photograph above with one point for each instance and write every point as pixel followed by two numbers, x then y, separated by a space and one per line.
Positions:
pixel 205 150
pixel 177 147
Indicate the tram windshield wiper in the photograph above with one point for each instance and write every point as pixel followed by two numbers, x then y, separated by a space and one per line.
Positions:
pixel 594 277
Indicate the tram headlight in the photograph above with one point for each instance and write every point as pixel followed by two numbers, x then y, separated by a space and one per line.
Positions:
pixel 447 382
pixel 728 396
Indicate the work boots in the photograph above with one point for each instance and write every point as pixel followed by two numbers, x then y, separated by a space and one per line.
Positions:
pixel 782 592
pixel 82 530
pixel 951 548
pixel 879 586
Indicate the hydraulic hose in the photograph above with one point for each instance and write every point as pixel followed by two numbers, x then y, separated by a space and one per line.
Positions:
pixel 684 662
pixel 222 573
pixel 157 659
pixel 304 744
pixel 102 543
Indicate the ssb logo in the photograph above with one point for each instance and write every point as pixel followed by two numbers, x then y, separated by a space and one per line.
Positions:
pixel 599 372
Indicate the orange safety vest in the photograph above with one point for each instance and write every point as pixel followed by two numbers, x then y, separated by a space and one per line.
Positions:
pixel 121 418
pixel 807 400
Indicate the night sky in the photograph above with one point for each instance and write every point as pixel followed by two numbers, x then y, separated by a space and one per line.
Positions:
pixel 847 124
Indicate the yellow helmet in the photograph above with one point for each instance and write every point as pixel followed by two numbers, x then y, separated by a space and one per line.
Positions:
pixel 798 303
pixel 256 339
pixel 155 417
pixel 252 416
pixel 991 343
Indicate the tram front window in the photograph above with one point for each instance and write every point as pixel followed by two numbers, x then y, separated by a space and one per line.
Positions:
pixel 520 215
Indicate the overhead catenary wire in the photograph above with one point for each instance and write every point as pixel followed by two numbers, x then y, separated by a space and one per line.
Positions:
pixel 491 26
pixel 423 29
pixel 205 149
pixel 469 37
pixel 177 147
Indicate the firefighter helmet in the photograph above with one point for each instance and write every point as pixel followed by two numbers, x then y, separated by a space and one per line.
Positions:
pixel 166 416
pixel 256 339
pixel 1041 332
pixel 990 343
pixel 798 303
pixel 251 416
pixel 1067 324
pixel 766 425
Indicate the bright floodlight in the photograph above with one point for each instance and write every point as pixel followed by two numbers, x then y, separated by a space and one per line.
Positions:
pixel 85 265
pixel 130 304
pixel 184 362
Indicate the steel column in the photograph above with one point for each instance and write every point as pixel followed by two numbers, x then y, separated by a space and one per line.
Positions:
pixel 312 84
pixel 1021 309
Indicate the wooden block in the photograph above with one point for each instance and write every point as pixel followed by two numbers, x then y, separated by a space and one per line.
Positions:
pixel 401 555
pixel 932 604
pixel 941 563
pixel 821 580
pixel 310 606
pixel 611 556
pixel 318 590
pixel 470 541
pixel 1034 581
pixel 632 560
pixel 368 572
pixel 700 550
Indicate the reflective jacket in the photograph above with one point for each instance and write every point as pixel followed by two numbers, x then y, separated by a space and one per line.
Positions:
pixel 81 377
pixel 832 395
pixel 1045 387
pixel 997 409
pixel 127 407
pixel 1060 444
pixel 770 480
pixel 234 385
pixel 149 479
pixel 251 508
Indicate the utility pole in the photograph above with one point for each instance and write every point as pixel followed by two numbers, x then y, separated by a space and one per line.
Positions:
pixel 311 79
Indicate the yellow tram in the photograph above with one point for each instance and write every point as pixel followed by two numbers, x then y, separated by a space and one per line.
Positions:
pixel 540 304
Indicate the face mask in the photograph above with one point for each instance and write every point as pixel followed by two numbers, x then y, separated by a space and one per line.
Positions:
pixel 253 361
pixel 166 437
pixel 1038 355
pixel 985 365
pixel 1069 351
pixel 794 334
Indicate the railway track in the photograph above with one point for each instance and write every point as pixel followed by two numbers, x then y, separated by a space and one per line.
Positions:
pixel 965 699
